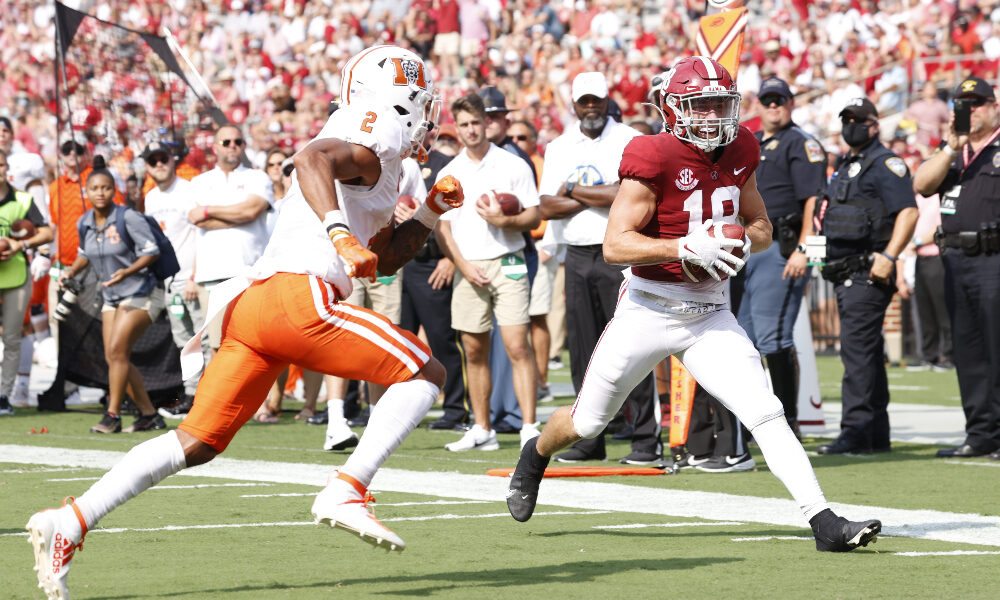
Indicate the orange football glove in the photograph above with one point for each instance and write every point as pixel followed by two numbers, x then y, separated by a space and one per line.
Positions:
pixel 361 261
pixel 445 195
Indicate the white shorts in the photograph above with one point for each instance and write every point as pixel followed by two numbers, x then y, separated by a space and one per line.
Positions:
pixel 643 332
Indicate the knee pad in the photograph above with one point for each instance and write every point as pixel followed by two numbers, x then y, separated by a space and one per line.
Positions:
pixel 587 426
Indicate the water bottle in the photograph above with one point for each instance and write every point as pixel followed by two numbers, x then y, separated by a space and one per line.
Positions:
pixel 177 307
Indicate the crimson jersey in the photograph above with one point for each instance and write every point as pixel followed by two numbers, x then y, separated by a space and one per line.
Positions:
pixel 690 188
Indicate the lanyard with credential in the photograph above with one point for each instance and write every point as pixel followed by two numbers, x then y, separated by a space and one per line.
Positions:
pixel 966 161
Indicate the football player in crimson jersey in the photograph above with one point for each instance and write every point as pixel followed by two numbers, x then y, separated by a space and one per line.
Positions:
pixel 336 222
pixel 675 186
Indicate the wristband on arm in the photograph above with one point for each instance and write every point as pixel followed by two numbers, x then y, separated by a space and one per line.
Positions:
pixel 335 224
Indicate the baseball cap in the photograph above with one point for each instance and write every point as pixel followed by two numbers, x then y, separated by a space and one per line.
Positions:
pixel 974 86
pixel 773 86
pixel 154 148
pixel 493 100
pixel 860 108
pixel 772 46
pixel 77 137
pixel 448 130
pixel 590 83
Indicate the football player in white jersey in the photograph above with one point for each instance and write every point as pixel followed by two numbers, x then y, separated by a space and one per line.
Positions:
pixel 336 223
pixel 675 184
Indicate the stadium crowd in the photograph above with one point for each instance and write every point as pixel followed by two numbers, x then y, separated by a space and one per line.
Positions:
pixel 272 69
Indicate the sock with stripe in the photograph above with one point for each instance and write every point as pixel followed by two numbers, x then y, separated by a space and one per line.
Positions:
pixel 397 413
pixel 143 467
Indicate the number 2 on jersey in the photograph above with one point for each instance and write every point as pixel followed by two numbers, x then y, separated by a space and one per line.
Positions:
pixel 723 204
pixel 366 125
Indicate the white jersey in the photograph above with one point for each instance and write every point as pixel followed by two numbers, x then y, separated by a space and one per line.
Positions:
pixel 299 243
pixel 170 209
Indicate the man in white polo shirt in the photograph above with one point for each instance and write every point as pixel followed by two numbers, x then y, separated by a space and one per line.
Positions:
pixel 232 202
pixel 578 185
pixel 492 279
pixel 169 203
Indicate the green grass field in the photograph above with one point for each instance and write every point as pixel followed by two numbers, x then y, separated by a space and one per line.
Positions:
pixel 245 532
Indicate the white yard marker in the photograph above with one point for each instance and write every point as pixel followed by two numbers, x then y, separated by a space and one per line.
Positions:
pixel 585 495
pixel 948 553
pixel 766 538
pixel 686 524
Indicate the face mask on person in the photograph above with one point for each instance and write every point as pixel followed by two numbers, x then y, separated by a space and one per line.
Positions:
pixel 856 134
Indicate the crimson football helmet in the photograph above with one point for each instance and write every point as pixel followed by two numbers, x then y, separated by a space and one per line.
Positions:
pixel 398 79
pixel 699 103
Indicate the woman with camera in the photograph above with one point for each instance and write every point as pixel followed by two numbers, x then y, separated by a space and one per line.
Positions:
pixel 132 295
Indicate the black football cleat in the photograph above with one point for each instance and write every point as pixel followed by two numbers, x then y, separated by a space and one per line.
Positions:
pixel 837 534
pixel 523 492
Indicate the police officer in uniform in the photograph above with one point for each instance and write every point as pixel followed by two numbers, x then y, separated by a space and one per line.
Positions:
pixel 867 214
pixel 966 174
pixel 792 173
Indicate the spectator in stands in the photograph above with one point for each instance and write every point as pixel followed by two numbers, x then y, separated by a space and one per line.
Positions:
pixel 931 115
pixel 231 206
pixel 132 295
pixel 487 249
pixel 15 285
pixel 169 203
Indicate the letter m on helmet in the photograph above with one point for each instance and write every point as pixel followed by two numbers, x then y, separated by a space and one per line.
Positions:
pixel 409 71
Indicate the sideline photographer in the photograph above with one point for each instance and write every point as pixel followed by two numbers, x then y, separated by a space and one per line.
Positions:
pixel 867 214
pixel 965 172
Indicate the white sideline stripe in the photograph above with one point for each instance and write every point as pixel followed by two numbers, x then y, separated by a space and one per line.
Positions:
pixel 949 553
pixel 446 517
pixel 22 471
pixel 765 538
pixel 74 479
pixel 689 524
pixel 209 485
pixel 972 463
pixel 943 526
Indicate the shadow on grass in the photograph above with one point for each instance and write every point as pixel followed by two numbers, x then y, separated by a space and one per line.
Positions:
pixel 482 579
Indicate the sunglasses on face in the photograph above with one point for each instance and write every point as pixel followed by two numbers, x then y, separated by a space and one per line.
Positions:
pixel 522 138
pixel 975 101
pixel 71 148
pixel 846 120
pixel 274 164
pixel 238 141
pixel 155 161
pixel 777 100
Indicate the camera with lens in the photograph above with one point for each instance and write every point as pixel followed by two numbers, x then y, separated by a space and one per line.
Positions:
pixel 68 296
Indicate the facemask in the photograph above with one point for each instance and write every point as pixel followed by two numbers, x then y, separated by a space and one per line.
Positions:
pixel 856 134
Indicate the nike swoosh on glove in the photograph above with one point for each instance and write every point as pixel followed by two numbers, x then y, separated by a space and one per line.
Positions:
pixel 361 262
pixel 445 195
pixel 40 267
pixel 710 253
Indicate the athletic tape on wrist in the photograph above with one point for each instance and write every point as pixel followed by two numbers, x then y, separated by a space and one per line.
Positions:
pixel 425 216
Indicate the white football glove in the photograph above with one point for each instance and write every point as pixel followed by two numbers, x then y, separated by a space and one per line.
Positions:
pixel 40 267
pixel 710 253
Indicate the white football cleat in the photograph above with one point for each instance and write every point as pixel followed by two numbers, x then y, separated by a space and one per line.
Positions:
pixel 22 392
pixel 55 540
pixel 339 436
pixel 344 503
pixel 476 438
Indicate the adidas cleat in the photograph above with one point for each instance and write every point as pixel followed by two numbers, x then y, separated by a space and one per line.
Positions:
pixel 343 504
pixel 54 538
pixel 837 534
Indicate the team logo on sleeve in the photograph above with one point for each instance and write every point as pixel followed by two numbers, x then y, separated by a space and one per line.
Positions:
pixel 409 71
pixel 896 165
pixel 814 152
pixel 996 160
pixel 686 180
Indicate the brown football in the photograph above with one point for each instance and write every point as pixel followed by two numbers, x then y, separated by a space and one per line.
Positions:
pixel 22 229
pixel 733 232
pixel 509 204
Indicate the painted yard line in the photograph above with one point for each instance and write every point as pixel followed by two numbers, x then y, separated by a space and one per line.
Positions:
pixel 765 538
pixel 949 553
pixel 586 495
pixel 210 485
pixel 446 517
pixel 73 479
pixel 907 388
pixel 688 524
pixel 972 463
pixel 31 471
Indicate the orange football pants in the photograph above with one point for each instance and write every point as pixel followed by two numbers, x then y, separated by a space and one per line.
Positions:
pixel 291 318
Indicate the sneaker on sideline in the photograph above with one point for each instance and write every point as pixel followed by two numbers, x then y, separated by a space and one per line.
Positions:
pixel 476 438
pixel 555 364
pixel 55 535
pixel 544 394
pixel 836 534
pixel 575 455
pixel 320 418
pixel 22 391
pixel 345 506
pixel 179 410
pixel 943 366
pixel 642 459
pixel 339 436
pixel 153 422
pixel 920 365
pixel 690 461
pixel 5 409
pixel 108 424
pixel 74 398
pixel 529 431
pixel 727 464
